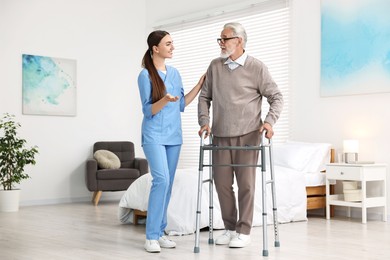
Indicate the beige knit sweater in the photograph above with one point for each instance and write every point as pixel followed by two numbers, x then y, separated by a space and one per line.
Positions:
pixel 236 98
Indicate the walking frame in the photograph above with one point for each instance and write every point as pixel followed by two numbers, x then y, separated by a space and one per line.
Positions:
pixel 210 147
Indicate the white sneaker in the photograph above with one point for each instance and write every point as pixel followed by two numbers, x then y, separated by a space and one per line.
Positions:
pixel 225 238
pixel 240 240
pixel 166 243
pixel 152 246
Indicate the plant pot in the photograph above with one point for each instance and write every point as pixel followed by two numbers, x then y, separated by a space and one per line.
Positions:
pixel 9 200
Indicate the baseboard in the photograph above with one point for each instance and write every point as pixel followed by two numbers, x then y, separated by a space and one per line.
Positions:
pixel 53 201
pixel 357 213
pixel 106 196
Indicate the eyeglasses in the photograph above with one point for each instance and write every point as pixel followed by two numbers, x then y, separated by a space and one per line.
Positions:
pixel 223 40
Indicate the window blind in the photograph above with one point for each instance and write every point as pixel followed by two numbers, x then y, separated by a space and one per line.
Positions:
pixel 268 29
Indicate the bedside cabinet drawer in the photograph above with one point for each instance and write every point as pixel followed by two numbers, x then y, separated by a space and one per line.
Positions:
pixel 344 173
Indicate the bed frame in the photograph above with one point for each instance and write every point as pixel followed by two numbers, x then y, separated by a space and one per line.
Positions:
pixel 138 214
pixel 316 196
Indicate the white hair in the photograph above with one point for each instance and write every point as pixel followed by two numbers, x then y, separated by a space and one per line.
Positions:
pixel 238 30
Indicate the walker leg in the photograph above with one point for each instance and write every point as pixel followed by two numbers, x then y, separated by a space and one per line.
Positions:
pixel 211 208
pixel 274 205
pixel 198 213
pixel 199 200
pixel 264 200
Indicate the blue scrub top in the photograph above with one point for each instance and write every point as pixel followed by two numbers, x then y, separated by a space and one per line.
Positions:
pixel 164 127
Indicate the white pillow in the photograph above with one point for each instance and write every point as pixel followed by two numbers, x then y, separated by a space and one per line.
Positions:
pixel 107 159
pixel 301 156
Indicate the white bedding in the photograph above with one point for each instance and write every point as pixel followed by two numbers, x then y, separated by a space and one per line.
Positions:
pixel 314 179
pixel 290 197
pixel 296 164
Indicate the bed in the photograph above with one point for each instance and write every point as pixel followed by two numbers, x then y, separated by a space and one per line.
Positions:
pixel 316 190
pixel 293 161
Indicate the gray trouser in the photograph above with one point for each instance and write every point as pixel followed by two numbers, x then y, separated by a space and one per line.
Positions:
pixel 245 177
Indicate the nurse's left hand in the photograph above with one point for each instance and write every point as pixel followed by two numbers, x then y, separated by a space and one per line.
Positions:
pixel 168 97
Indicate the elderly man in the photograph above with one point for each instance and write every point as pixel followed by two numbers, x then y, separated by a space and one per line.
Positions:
pixel 235 85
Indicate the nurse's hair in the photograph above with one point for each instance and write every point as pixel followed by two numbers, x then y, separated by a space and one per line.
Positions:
pixel 158 87
pixel 238 30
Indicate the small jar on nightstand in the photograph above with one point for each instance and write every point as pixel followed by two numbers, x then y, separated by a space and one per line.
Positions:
pixel 361 173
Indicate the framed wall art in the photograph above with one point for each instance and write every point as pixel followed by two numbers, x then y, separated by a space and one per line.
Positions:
pixel 355 47
pixel 49 85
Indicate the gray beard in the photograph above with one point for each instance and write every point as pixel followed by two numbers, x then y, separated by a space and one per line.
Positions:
pixel 225 54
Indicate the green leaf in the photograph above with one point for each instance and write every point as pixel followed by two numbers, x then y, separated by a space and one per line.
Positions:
pixel 14 155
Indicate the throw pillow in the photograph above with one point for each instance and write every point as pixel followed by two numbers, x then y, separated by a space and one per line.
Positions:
pixel 107 159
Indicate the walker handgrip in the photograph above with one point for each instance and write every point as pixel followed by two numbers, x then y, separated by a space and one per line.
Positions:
pixel 202 137
pixel 263 138
pixel 203 134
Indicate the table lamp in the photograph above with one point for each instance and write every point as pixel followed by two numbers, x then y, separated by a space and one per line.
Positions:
pixel 351 147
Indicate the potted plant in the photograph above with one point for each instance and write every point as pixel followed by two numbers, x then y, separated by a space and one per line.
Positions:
pixel 14 156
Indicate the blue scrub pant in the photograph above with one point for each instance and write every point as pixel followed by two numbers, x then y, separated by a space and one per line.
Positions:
pixel 162 161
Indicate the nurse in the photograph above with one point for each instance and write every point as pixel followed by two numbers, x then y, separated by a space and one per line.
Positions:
pixel 162 97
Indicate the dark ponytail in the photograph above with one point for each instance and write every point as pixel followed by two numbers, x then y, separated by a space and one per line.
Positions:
pixel 158 87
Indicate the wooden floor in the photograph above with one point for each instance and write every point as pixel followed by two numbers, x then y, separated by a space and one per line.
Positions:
pixel 83 231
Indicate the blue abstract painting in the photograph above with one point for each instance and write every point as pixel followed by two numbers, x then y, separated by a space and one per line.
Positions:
pixel 355 47
pixel 49 85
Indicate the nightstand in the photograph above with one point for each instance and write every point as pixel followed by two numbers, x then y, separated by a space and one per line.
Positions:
pixel 362 173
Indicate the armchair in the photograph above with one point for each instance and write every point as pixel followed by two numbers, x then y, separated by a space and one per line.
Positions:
pixel 99 180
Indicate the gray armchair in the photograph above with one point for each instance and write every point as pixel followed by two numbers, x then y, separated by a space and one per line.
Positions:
pixel 99 180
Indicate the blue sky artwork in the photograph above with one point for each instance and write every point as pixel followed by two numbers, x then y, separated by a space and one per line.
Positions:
pixel 355 47
pixel 49 85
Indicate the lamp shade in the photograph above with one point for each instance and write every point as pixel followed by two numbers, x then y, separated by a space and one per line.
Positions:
pixel 351 146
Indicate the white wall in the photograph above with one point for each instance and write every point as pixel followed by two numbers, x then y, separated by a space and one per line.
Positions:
pixel 158 11
pixel 332 119
pixel 107 38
